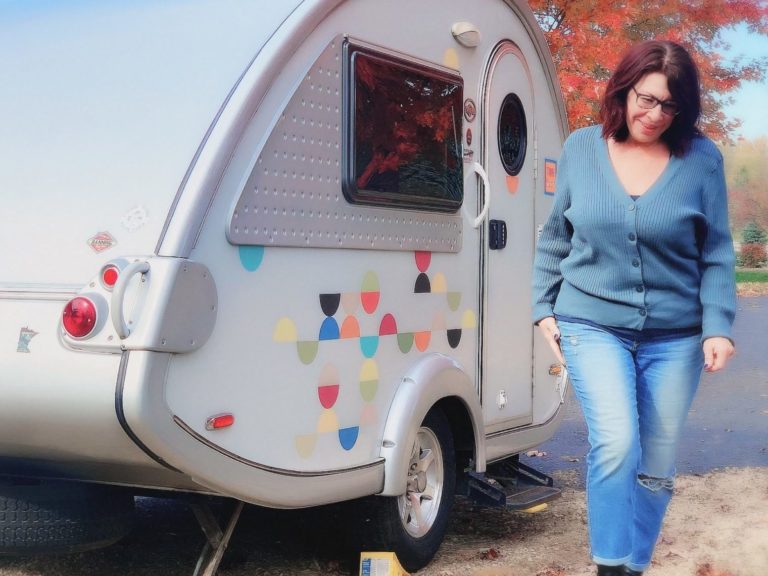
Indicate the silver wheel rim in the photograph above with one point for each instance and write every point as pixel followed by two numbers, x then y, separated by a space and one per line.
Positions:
pixel 420 504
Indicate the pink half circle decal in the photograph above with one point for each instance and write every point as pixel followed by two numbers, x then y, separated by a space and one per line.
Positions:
pixel 328 395
pixel 423 260
pixel 388 325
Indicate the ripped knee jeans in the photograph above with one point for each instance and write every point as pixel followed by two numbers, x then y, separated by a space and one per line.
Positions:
pixel 635 393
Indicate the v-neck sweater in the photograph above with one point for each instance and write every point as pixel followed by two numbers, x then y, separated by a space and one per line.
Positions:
pixel 663 260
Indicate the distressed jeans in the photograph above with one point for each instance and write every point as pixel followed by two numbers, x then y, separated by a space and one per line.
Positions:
pixel 635 392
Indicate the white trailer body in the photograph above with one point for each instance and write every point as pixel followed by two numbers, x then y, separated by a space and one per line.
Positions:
pixel 321 218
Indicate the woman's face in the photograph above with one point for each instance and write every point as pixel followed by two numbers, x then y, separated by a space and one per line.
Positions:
pixel 646 125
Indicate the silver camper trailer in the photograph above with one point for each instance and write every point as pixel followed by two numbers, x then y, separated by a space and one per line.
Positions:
pixel 278 252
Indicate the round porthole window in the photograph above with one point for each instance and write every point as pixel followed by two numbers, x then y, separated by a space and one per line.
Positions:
pixel 513 134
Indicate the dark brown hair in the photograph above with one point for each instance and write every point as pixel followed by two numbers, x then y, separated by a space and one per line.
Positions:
pixel 676 64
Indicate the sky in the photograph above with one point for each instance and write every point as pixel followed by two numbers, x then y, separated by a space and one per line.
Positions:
pixel 749 101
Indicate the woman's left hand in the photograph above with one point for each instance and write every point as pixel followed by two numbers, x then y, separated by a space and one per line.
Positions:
pixel 717 352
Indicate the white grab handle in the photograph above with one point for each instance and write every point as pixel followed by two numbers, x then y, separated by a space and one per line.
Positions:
pixel 118 294
pixel 480 171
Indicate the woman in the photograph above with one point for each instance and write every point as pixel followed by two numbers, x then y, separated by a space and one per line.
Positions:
pixel 634 290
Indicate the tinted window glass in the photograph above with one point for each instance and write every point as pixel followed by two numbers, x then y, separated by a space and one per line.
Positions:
pixel 513 134
pixel 403 138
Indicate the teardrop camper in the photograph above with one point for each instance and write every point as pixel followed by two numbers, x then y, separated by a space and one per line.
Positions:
pixel 278 252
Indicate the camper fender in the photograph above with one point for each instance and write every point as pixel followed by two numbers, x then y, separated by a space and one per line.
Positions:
pixel 433 378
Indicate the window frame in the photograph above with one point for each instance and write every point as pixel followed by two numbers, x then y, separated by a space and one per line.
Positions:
pixel 398 200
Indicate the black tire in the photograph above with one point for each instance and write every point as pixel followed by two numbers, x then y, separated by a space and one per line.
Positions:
pixel 61 517
pixel 391 523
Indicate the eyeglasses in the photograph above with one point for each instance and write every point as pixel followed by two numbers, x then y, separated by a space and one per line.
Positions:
pixel 648 102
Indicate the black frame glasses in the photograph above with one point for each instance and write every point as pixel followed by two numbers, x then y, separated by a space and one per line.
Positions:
pixel 648 102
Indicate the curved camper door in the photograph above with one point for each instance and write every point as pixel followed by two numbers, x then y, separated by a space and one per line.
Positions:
pixel 508 155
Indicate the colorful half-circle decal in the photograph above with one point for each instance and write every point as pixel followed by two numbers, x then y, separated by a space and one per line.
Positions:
pixel 469 320
pixel 350 302
pixel 369 380
pixel 405 342
pixel 251 257
pixel 369 370
pixel 285 331
pixel 369 345
pixel 348 437
pixel 422 285
pixel 454 337
pixel 388 325
pixel 513 183
pixel 328 422
pixel 454 299
pixel 350 328
pixel 329 303
pixel 369 292
pixel 305 444
pixel 307 350
pixel 368 415
pixel 451 59
pixel 439 284
pixel 329 330
pixel 422 260
pixel 328 395
pixel 370 301
pixel 421 339
pixel 329 375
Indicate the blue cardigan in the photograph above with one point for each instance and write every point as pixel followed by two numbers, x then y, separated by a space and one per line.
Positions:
pixel 664 260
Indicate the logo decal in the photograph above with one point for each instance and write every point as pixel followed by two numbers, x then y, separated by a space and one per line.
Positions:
pixel 102 241
pixel 25 335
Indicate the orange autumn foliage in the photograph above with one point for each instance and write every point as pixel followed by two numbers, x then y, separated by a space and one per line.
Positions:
pixel 588 37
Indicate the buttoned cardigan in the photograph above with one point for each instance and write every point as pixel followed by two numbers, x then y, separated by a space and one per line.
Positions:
pixel 664 260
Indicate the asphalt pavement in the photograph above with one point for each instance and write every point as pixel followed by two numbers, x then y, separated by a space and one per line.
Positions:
pixel 728 422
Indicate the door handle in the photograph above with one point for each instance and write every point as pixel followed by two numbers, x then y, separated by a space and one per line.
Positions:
pixel 118 294
pixel 480 171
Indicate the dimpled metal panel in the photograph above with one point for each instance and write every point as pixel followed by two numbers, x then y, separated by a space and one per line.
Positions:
pixel 294 196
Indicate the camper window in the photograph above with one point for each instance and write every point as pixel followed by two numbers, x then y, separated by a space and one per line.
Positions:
pixel 403 133
pixel 513 134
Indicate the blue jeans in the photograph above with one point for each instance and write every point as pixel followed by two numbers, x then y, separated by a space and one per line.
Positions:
pixel 635 393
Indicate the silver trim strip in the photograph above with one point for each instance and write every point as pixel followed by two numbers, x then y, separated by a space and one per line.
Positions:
pixel 282 471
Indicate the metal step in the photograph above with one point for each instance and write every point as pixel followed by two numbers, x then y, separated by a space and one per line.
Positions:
pixel 512 485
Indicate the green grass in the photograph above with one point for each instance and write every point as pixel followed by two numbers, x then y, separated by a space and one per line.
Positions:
pixel 751 275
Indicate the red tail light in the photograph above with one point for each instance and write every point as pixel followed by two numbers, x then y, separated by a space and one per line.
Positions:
pixel 79 317
pixel 109 275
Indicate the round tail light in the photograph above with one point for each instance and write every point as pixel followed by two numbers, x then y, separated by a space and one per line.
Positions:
pixel 79 317
pixel 109 275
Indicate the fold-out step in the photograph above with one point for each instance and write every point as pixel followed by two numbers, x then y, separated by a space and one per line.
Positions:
pixel 512 485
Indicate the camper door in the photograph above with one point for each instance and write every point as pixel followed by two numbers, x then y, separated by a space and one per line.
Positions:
pixel 508 156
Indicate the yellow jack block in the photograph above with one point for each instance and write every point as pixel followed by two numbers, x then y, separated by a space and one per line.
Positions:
pixel 538 508
pixel 380 564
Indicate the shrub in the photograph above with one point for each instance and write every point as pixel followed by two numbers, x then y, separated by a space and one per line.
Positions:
pixel 753 255
pixel 753 234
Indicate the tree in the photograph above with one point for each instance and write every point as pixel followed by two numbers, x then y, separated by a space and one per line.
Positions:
pixel 753 234
pixel 746 173
pixel 588 37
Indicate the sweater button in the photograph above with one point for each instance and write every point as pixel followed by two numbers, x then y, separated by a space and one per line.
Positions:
pixel 631 207
pixel 632 237
pixel 643 312
pixel 639 288
pixel 636 263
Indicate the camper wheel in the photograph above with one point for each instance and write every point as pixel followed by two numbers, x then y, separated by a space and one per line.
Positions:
pixel 39 517
pixel 413 525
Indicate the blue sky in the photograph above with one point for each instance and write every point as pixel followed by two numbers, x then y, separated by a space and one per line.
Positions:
pixel 749 102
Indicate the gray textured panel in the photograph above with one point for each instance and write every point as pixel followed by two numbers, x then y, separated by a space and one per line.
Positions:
pixel 294 197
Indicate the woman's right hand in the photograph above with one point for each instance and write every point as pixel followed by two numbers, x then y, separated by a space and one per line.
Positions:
pixel 551 333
